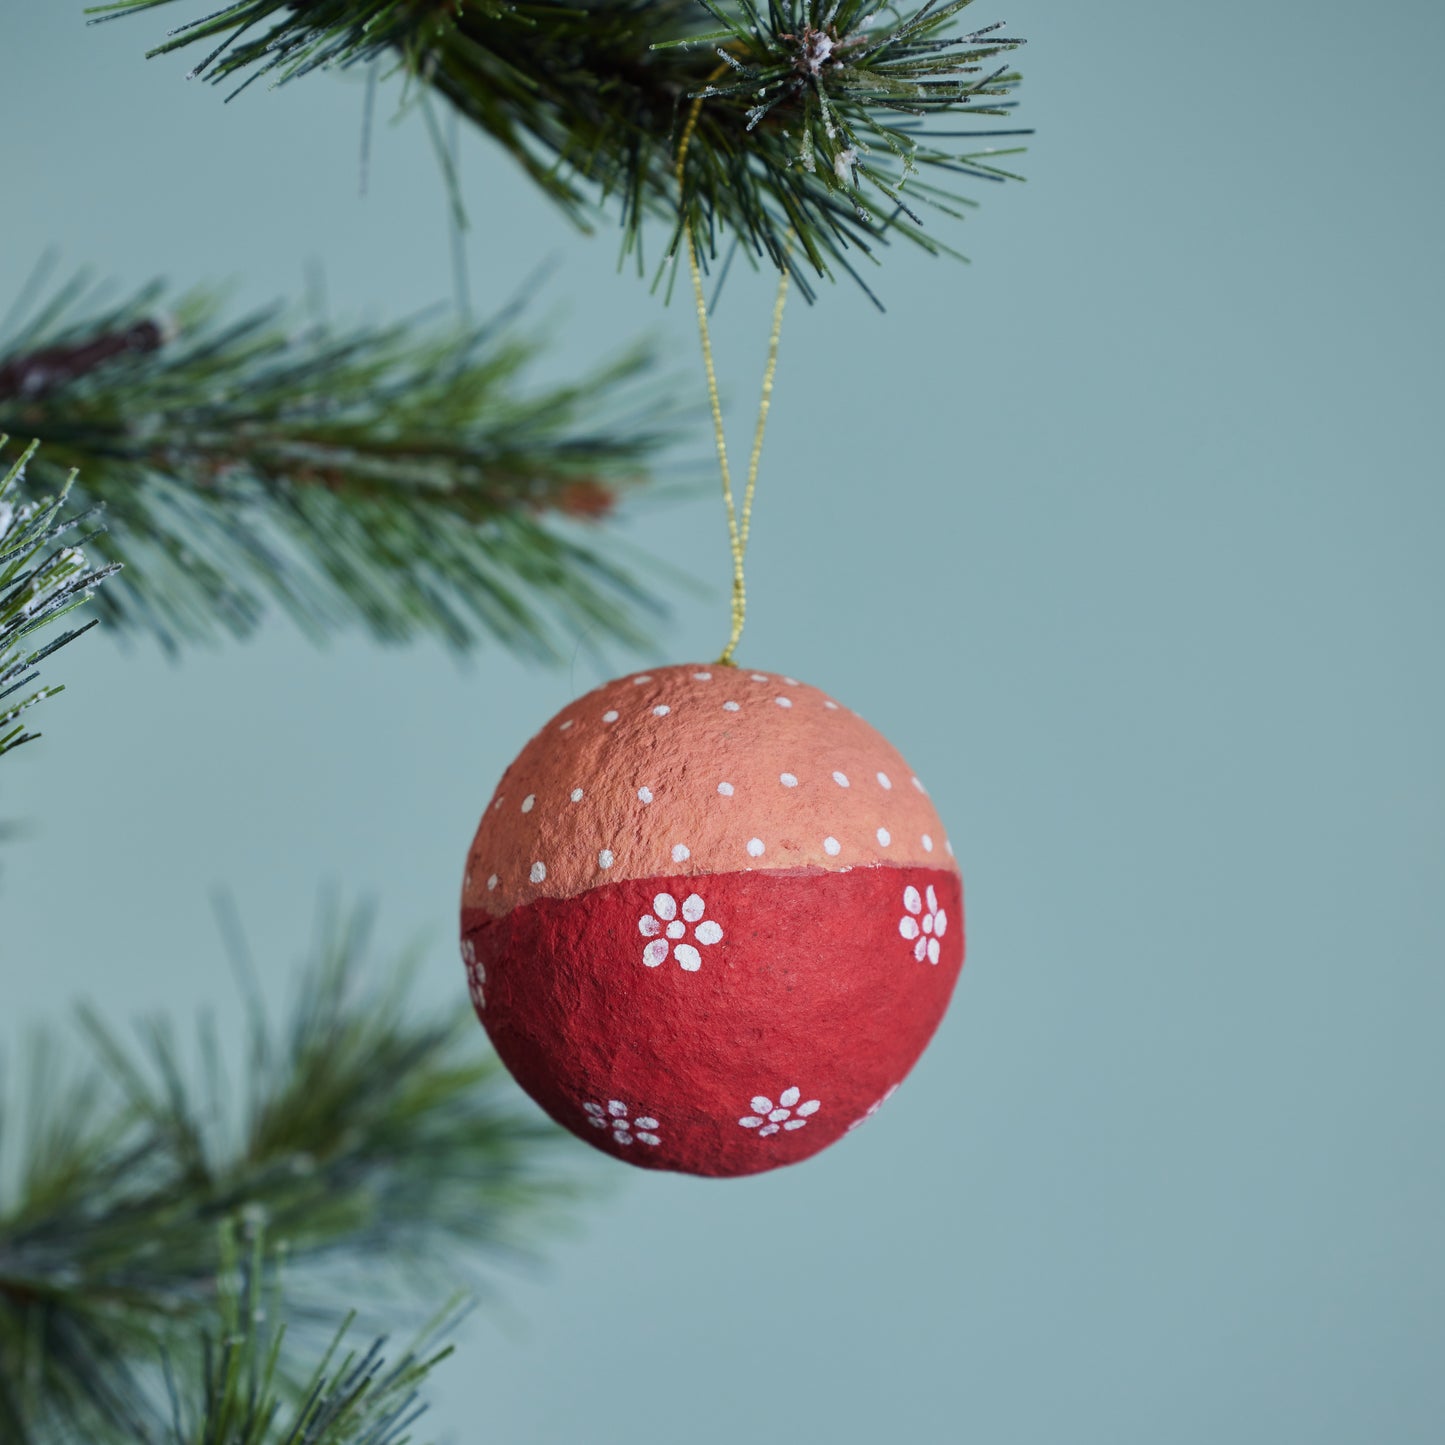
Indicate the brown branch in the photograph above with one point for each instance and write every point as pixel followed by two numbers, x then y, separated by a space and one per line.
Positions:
pixel 41 371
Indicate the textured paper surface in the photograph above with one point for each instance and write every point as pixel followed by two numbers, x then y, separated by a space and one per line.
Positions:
pixel 693 770
pixel 721 1025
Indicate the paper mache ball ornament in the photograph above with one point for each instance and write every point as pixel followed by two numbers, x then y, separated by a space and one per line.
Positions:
pixel 710 919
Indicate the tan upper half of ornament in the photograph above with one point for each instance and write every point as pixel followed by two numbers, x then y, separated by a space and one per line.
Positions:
pixel 691 770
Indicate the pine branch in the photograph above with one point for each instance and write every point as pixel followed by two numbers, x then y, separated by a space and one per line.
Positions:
pixel 382 1153
pixel 395 477
pixel 242 1394
pixel 42 578
pixel 818 122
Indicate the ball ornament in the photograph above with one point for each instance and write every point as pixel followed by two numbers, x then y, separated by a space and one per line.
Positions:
pixel 710 919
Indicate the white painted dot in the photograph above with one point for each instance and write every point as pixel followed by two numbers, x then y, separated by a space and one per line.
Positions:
pixel 830 704
pixel 841 779
pixel 948 847
pixel 787 780
pixel 576 795
pixel 702 677
pixel 681 852
pixel 832 847
pixel 492 883
pixel 755 847
pixel 791 681
pixel 539 872
pixel 643 677
pixel 919 786
pixel 528 802
pixel 927 843
pixel 884 837
pixel 783 701
pixel 677 929
pixel 604 858
pixel 566 725
pixel 884 781
pixel 645 794
pixel 758 676
pixel 610 715
pixel 726 789
pixel 661 710
pixel 731 706
pixel 688 957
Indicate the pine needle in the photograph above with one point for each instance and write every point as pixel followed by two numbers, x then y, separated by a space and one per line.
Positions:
pixel 803 134
pixel 398 478
pixel 383 1155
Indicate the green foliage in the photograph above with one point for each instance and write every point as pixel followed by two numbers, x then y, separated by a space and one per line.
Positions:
pixel 396 477
pixel 42 578
pixel 243 1396
pixel 816 127
pixel 382 1154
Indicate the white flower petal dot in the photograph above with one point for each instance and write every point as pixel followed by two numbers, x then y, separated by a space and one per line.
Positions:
pixel 923 923
pixel 668 931
pixel 872 1109
pixel 641 1129
pixel 787 1114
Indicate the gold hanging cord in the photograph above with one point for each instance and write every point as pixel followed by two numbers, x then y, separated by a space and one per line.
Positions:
pixel 737 533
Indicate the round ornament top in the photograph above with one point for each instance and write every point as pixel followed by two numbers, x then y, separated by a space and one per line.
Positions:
pixel 698 769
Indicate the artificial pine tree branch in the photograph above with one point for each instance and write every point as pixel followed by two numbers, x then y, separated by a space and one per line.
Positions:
pixel 43 576
pixel 819 121
pixel 397 477
pixel 381 1152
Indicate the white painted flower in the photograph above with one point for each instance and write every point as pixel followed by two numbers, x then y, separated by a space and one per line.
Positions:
pixel 668 931
pixel 925 931
pixel 788 1113
pixel 476 974
pixel 872 1109
pixel 624 1130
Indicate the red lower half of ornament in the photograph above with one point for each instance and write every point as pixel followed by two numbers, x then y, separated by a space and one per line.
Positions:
pixel 722 1024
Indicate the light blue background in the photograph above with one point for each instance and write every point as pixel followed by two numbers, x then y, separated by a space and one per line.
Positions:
pixel 1129 535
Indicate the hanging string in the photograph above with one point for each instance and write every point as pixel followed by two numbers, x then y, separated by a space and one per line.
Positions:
pixel 738 530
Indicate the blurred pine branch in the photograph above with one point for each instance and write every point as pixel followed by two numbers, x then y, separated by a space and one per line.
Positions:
pixel 384 1155
pixel 820 121
pixel 44 575
pixel 248 1391
pixel 395 477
